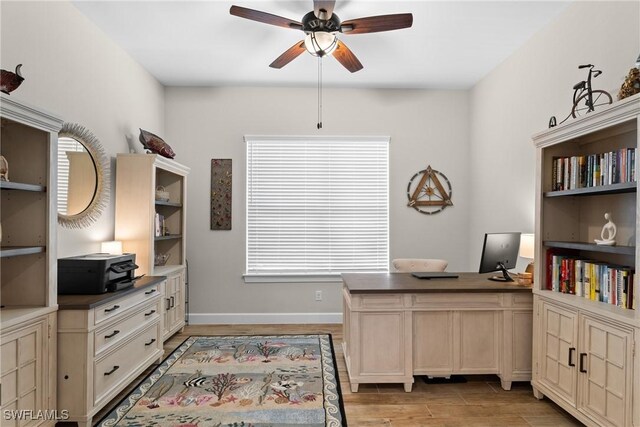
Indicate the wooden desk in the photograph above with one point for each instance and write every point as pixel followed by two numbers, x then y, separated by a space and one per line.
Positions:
pixel 397 326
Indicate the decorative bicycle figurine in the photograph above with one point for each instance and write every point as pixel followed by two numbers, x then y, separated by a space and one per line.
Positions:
pixel 585 99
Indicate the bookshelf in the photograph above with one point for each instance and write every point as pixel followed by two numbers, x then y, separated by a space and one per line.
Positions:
pixel 28 294
pixel 584 354
pixel 137 207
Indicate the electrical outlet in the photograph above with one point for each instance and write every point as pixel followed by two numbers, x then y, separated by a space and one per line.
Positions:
pixel 318 295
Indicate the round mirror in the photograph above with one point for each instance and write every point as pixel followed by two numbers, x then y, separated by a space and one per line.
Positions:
pixel 83 177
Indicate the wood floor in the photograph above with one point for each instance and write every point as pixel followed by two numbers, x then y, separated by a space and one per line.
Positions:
pixel 478 402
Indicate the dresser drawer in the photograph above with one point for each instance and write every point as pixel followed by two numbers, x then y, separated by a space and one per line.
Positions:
pixel 112 309
pixel 108 336
pixel 116 368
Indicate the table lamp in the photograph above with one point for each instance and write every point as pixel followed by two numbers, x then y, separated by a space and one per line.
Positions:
pixel 527 250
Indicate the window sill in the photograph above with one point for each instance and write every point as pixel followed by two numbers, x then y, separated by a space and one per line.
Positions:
pixel 292 278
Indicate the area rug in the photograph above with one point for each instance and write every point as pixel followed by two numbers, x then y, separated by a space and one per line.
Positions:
pixel 239 381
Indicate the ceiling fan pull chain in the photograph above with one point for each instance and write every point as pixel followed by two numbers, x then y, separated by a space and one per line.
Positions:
pixel 319 92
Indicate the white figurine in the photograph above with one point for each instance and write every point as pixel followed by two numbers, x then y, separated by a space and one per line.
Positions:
pixel 610 229
pixel 4 169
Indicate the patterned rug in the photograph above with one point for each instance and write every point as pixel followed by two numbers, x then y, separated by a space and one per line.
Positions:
pixel 242 381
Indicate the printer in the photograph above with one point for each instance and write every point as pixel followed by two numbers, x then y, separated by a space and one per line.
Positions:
pixel 96 273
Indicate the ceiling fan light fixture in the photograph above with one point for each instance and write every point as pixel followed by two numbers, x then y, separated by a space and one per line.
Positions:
pixel 320 43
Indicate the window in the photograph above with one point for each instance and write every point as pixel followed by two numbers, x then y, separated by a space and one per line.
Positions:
pixel 317 206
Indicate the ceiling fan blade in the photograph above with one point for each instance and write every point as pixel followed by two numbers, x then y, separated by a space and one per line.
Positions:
pixel 374 24
pixel 324 7
pixel 347 58
pixel 289 55
pixel 264 17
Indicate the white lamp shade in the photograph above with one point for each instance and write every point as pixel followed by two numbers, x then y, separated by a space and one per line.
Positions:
pixel 527 249
pixel 113 247
pixel 320 43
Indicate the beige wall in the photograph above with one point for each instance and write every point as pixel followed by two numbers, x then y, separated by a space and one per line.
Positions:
pixel 517 99
pixel 426 128
pixel 73 70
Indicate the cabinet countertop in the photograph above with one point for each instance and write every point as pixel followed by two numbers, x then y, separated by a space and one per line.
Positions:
pixel 381 283
pixel 86 302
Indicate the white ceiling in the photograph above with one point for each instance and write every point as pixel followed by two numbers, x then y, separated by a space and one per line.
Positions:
pixel 452 44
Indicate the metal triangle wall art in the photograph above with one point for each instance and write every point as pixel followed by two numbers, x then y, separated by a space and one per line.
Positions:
pixel 429 191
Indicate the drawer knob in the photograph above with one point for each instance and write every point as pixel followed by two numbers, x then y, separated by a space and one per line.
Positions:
pixel 150 292
pixel 115 368
pixel 109 310
pixel 113 334
pixel 150 342
pixel 149 313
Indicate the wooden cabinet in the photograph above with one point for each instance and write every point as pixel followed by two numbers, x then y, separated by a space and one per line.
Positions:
pixel 154 227
pixel 606 374
pixel 28 271
pixel 586 363
pixel 174 304
pixel 584 343
pixel 558 351
pixel 455 327
pixel 27 365
pixel 105 341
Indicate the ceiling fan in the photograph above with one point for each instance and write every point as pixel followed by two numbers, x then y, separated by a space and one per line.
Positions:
pixel 321 27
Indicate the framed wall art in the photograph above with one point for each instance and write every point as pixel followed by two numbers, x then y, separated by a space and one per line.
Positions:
pixel 221 194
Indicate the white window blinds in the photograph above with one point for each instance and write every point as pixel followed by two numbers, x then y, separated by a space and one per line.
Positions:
pixel 317 205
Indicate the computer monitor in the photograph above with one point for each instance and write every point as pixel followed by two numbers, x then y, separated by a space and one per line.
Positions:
pixel 500 253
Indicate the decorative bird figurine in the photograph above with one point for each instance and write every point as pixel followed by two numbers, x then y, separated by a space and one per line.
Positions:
pixel 155 144
pixel 10 81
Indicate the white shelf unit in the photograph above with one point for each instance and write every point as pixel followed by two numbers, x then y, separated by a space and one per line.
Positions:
pixel 28 269
pixel 137 177
pixel 584 351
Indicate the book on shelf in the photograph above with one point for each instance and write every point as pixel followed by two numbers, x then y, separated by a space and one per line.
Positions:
pixel 593 170
pixel 593 280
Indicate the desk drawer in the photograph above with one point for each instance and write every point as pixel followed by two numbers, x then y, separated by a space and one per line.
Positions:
pixel 108 336
pixel 385 301
pixel 115 368
pixel 111 309
pixel 456 300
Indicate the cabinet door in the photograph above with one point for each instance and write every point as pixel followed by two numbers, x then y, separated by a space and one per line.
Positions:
pixel 22 357
pixel 433 343
pixel 478 341
pixel 381 345
pixel 179 297
pixel 605 387
pixel 558 351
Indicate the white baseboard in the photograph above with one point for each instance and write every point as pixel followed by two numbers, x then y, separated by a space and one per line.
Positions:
pixel 263 318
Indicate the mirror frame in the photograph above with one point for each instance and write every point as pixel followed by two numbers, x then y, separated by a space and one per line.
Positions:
pixel 101 162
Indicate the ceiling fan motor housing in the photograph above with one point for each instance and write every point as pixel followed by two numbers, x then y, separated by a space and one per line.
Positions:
pixel 311 23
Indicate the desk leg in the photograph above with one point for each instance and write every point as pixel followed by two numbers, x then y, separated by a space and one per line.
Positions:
pixel 407 387
pixel 354 387
pixel 506 385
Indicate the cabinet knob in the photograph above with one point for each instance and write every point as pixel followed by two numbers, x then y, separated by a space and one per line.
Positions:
pixel 115 368
pixel 582 362
pixel 570 362
pixel 149 313
pixel 150 342
pixel 150 291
